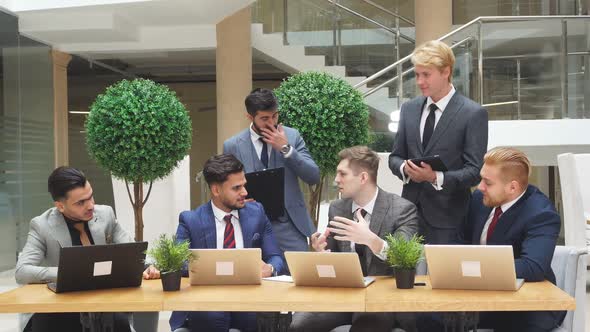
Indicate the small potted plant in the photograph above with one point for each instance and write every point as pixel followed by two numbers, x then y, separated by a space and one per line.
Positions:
pixel 169 257
pixel 403 255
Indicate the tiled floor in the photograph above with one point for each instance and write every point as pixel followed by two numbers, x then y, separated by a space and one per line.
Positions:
pixel 9 322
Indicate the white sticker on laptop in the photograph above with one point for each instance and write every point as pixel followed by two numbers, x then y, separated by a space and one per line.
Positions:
pixel 224 268
pixel 102 268
pixel 326 271
pixel 471 269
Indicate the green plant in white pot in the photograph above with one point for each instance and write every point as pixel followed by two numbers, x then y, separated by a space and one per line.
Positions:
pixel 169 257
pixel 403 255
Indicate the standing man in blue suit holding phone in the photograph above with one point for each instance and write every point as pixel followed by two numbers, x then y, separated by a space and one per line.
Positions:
pixel 227 221
pixel 445 123
pixel 267 144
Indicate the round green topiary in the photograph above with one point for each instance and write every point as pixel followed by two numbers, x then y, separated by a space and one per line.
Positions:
pixel 138 130
pixel 330 115
pixel 328 112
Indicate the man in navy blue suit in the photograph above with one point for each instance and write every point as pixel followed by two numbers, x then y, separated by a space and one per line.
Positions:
pixel 507 210
pixel 227 221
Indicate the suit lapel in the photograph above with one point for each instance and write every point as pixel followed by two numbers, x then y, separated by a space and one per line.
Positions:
pixel 59 229
pixel 208 220
pixel 482 217
pixel 508 218
pixel 417 116
pixel 96 227
pixel 246 230
pixel 380 210
pixel 248 154
pixel 452 109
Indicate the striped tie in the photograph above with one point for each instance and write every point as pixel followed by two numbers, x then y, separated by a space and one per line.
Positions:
pixel 229 240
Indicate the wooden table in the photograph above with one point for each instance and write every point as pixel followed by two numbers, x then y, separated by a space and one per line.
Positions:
pixel 383 296
pixel 38 298
pixel 269 296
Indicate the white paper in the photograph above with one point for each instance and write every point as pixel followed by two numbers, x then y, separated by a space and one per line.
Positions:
pixel 279 278
pixel 224 268
pixel 102 268
pixel 326 271
pixel 471 269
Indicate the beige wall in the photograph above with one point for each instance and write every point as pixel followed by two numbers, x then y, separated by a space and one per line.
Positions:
pixel 429 25
pixel 60 106
pixel 234 73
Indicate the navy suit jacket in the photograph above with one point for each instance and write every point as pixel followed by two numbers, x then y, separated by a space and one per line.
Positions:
pixel 531 226
pixel 198 227
pixel 299 165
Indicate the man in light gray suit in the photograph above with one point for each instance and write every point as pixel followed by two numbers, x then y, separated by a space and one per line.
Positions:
pixel 267 144
pixel 75 220
pixel 359 223
pixel 441 122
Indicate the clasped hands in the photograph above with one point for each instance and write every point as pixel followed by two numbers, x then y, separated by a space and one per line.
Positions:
pixel 422 173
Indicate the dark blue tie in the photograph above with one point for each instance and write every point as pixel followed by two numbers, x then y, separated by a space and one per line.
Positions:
pixel 264 153
pixel 429 125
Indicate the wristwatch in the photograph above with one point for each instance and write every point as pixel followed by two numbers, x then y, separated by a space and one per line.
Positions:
pixel 272 270
pixel 285 148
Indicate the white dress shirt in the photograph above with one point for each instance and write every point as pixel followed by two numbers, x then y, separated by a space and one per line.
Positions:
pixel 220 226
pixel 441 105
pixel 382 255
pixel 258 145
pixel 504 207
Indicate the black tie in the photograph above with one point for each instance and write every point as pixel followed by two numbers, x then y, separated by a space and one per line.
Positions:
pixel 360 248
pixel 264 153
pixel 429 125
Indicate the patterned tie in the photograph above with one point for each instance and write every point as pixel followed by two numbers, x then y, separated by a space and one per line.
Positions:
pixel 264 153
pixel 429 125
pixel 83 236
pixel 229 240
pixel 360 248
pixel 492 226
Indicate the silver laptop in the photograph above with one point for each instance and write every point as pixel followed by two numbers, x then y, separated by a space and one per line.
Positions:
pixel 472 267
pixel 326 269
pixel 226 267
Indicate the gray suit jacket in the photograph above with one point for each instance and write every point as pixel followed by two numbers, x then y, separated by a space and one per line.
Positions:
pixel 391 215
pixel 37 263
pixel 298 165
pixel 460 138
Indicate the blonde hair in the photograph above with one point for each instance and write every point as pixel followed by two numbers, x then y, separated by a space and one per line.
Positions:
pixel 361 156
pixel 513 163
pixel 434 53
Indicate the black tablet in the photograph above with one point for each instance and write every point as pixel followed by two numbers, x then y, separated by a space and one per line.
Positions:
pixel 434 161
pixel 268 188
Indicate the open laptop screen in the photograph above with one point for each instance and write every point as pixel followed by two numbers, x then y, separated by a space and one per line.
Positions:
pixel 100 267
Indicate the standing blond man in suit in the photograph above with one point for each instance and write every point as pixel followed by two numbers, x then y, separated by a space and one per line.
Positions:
pixel 440 122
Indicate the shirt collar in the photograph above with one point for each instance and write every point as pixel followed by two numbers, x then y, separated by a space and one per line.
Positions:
pixel 443 102
pixel 369 206
pixel 508 205
pixel 255 137
pixel 220 214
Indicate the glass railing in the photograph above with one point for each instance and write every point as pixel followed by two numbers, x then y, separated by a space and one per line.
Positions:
pixel 364 36
pixel 517 67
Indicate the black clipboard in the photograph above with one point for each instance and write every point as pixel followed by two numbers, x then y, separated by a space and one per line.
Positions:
pixel 268 188
pixel 434 161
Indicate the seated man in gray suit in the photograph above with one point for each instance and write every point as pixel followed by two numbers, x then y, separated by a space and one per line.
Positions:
pixel 268 144
pixel 75 220
pixel 359 223
pixel 440 122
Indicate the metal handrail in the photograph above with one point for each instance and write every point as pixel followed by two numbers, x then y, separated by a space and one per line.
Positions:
pixel 373 90
pixel 385 10
pixel 478 20
pixel 384 27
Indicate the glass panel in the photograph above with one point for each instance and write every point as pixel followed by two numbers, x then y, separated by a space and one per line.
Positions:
pixel 467 10
pixel 578 60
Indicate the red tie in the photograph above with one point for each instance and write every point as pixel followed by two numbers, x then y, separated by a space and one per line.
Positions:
pixel 229 240
pixel 497 214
